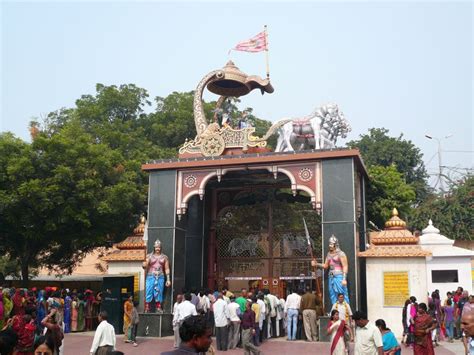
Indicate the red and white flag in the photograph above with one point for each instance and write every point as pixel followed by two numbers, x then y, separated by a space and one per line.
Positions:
pixel 257 43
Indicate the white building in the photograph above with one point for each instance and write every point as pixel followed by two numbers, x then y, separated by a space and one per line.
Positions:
pixel 396 270
pixel 449 266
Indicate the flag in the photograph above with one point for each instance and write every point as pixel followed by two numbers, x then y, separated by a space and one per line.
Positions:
pixel 257 43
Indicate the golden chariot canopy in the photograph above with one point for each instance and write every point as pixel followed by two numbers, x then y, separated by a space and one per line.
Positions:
pixel 213 139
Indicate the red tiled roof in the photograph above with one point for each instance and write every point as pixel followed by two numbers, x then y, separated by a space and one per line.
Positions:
pixel 394 251
pixel 132 242
pixel 126 255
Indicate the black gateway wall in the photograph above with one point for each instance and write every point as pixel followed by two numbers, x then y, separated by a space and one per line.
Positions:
pixel 115 291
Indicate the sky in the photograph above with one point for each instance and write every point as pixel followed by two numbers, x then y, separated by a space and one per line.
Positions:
pixel 405 66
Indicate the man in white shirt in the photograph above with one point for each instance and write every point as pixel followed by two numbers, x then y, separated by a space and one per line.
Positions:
pixel 234 329
pixel 368 339
pixel 273 301
pixel 292 308
pixel 179 299
pixel 104 337
pixel 221 320
pixel 183 310
pixel 261 319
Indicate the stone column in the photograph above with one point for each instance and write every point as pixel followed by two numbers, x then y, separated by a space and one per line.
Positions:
pixel 339 217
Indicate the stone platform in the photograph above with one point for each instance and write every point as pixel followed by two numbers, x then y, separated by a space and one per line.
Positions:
pixel 155 325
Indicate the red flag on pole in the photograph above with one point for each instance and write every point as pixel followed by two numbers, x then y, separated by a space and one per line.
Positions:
pixel 257 43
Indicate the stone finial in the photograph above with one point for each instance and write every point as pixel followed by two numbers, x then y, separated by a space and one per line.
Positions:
pixel 431 229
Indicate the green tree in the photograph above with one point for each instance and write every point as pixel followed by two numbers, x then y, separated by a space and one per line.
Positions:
pixel 387 189
pixel 379 149
pixel 63 195
pixel 452 213
pixel 79 184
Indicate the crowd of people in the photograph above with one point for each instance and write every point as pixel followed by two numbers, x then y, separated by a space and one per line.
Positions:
pixel 32 318
pixel 442 318
pixel 37 319
pixel 250 319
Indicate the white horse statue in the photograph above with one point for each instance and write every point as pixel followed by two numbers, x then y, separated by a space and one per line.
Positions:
pixel 319 130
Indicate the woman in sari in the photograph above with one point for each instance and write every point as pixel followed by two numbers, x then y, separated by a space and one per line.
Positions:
pixel 41 310
pixel 74 310
pixel 18 302
pixel 336 328
pixel 127 319
pixel 7 304
pixel 89 300
pixel 67 312
pixel 423 325
pixel 390 343
pixel 81 304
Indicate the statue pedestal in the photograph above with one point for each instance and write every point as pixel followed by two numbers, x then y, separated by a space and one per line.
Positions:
pixel 155 325
pixel 323 325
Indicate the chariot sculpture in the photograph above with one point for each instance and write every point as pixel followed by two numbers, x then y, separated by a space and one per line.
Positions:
pixel 319 130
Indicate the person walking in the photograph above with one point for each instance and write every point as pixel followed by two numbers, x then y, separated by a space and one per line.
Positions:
pixel 196 336
pixel 248 331
pixel 221 320
pixel 234 327
pixel 183 311
pixel 54 330
pixel 175 323
pixel 336 329
pixel 292 308
pixel 448 311
pixel 390 343
pixel 256 309
pixel 345 313
pixel 127 319
pixel 308 306
pixel 424 325
pixel 134 324
pixel 104 337
pixel 261 320
pixel 368 339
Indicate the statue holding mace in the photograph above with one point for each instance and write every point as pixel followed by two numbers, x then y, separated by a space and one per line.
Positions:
pixel 156 266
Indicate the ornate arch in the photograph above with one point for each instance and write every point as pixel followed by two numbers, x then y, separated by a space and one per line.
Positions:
pixel 304 177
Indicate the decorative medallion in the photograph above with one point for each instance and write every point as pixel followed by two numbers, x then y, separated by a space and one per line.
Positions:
pixel 306 174
pixel 190 181
pixel 212 145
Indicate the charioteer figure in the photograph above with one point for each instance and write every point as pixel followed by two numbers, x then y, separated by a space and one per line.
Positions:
pixel 336 262
pixel 156 267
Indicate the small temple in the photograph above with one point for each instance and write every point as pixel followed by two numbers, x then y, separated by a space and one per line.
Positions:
pixel 395 266
pixel 394 241
pixel 126 258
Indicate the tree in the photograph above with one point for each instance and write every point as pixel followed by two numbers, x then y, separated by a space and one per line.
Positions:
pixel 79 184
pixel 63 195
pixel 386 190
pixel 379 149
pixel 452 213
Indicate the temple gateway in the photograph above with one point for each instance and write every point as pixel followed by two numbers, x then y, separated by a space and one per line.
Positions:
pixel 229 212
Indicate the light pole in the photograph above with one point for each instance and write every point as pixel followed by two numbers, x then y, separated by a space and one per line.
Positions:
pixel 440 165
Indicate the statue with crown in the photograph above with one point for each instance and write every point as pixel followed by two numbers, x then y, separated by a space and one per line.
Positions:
pixel 157 271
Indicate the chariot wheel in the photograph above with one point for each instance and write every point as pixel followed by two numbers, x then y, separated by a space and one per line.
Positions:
pixel 212 145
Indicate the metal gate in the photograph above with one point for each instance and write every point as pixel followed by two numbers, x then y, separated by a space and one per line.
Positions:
pixel 260 234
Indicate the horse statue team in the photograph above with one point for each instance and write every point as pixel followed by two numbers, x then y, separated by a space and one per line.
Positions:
pixel 319 130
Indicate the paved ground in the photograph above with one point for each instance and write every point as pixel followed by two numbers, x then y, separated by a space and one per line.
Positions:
pixel 80 344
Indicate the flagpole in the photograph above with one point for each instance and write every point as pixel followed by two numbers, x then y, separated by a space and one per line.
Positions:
pixel 266 52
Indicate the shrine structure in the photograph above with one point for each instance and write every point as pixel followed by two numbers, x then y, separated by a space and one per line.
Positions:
pixel 229 211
